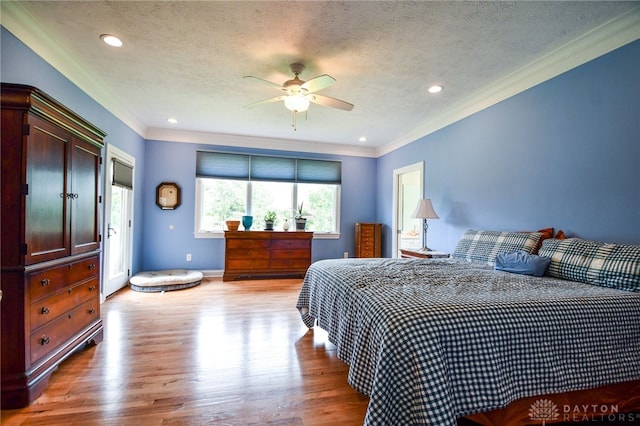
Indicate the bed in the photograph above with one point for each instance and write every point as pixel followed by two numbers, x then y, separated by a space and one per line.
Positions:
pixel 433 340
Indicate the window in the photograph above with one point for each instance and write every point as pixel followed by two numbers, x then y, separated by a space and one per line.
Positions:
pixel 229 186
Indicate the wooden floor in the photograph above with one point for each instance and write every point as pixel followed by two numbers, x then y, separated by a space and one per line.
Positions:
pixel 221 353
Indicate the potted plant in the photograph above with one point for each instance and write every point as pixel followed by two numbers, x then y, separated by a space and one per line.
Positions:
pixel 269 219
pixel 301 220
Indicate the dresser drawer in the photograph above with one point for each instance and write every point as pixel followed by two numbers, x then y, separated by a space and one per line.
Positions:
pixel 259 244
pixel 290 244
pixel 44 283
pixel 290 263
pixel 367 241
pixel 289 254
pixel 45 310
pixel 48 337
pixel 247 254
pixel 247 264
pixel 367 233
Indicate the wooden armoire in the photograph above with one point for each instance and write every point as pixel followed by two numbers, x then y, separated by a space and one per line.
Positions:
pixel 50 277
pixel 368 240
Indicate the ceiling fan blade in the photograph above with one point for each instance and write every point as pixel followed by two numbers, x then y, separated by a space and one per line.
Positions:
pixel 262 80
pixel 330 102
pixel 265 101
pixel 318 83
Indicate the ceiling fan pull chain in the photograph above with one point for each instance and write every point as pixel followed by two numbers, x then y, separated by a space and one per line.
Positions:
pixel 295 128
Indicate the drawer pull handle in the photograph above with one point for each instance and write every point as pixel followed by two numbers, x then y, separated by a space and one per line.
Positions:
pixel 44 310
pixel 91 311
pixel 44 282
pixel 92 267
pixel 93 287
pixel 69 291
pixel 44 340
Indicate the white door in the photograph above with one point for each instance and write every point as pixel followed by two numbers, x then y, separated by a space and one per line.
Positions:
pixel 407 190
pixel 118 220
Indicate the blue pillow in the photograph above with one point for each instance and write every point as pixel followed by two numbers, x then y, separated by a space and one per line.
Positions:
pixel 521 262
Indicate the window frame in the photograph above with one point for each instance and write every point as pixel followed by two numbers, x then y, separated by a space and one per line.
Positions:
pixel 198 234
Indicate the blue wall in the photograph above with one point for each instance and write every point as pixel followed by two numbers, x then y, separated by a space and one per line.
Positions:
pixel 164 246
pixel 565 153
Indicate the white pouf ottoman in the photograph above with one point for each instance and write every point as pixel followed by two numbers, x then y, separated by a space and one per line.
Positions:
pixel 166 280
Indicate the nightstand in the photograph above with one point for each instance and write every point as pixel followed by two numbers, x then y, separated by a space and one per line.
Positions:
pixel 422 254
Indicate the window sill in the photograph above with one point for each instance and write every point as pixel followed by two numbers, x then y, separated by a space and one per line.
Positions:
pixel 316 235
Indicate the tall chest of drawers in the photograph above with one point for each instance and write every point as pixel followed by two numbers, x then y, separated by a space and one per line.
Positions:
pixel 368 240
pixel 50 276
pixel 266 254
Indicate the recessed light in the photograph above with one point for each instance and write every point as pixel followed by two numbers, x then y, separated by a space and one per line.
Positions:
pixel 362 139
pixel 435 89
pixel 111 40
pixel 172 120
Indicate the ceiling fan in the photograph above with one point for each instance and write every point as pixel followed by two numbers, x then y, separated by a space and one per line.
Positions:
pixel 298 94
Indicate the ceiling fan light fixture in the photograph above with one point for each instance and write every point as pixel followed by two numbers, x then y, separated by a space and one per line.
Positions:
pixel 296 103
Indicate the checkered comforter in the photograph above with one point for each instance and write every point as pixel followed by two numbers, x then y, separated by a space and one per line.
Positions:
pixel 430 340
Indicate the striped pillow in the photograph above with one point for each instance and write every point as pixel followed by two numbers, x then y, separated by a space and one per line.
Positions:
pixel 484 246
pixel 593 262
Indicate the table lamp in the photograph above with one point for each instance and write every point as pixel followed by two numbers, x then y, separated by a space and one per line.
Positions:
pixel 424 210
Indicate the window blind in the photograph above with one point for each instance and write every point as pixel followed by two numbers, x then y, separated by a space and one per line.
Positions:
pixel 122 175
pixel 223 165
pixel 313 171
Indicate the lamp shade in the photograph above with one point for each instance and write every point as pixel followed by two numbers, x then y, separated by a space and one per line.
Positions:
pixel 424 210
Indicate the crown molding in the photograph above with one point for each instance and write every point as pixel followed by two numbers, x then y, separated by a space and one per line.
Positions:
pixel 17 20
pixel 609 36
pixel 244 141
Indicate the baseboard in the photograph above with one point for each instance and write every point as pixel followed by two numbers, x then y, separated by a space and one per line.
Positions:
pixel 212 273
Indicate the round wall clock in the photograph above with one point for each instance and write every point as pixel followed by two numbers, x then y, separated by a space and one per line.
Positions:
pixel 168 195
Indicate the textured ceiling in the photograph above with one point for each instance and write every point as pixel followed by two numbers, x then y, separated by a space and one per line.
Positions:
pixel 187 59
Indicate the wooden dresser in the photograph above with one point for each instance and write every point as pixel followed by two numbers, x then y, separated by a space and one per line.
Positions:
pixel 266 254
pixel 50 277
pixel 368 240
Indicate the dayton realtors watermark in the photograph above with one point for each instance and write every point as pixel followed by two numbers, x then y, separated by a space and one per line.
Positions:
pixel 545 410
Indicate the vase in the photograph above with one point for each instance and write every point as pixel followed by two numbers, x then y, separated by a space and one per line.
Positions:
pixel 301 223
pixel 247 221
pixel 285 225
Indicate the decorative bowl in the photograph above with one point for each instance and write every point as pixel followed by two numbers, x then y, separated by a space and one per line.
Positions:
pixel 232 225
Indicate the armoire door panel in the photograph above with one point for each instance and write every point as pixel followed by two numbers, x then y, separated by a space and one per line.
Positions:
pixel 47 200
pixel 85 169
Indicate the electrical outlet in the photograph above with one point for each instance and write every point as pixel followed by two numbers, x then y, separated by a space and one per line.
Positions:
pixel 188 257
pixel 346 254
